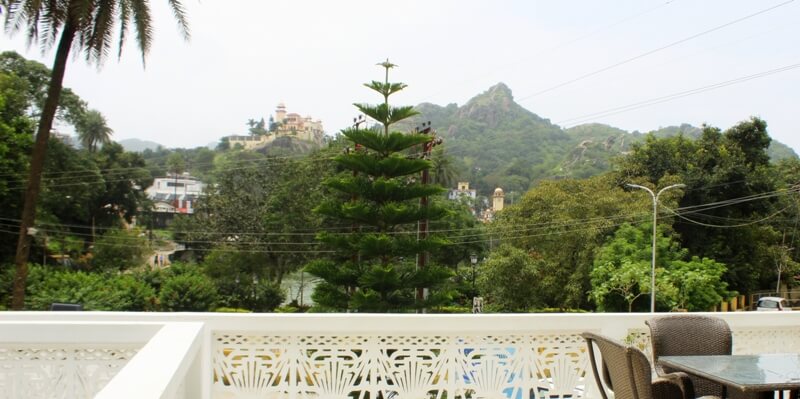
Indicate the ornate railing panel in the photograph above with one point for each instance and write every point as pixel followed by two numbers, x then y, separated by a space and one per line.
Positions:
pixel 398 366
pixel 59 371
pixel 357 356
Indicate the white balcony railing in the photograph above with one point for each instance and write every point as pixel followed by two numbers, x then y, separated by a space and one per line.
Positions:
pixel 330 356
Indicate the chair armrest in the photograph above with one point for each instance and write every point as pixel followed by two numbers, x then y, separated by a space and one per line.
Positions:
pixel 673 385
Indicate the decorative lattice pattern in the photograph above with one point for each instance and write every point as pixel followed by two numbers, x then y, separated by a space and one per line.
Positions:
pixel 46 372
pixel 746 341
pixel 418 366
pixel 640 338
pixel 766 340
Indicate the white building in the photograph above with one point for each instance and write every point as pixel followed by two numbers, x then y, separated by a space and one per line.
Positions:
pixel 463 190
pixel 175 194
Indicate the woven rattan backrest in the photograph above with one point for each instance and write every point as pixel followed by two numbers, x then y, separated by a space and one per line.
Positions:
pixel 627 368
pixel 685 335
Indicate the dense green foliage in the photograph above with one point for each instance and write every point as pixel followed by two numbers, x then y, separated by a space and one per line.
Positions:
pixel 86 27
pixel 578 242
pixel 717 168
pixel 509 280
pixel 80 188
pixel 94 291
pixel 621 274
pixel 501 144
pixel 34 78
pixel 731 224
pixel 188 292
pixel 119 249
pixel 564 222
pixel 242 279
pixel 16 141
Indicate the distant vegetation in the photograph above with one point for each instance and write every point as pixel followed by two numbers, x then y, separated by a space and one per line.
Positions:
pixel 495 142
pixel 572 235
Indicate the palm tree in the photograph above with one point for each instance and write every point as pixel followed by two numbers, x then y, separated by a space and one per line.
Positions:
pixel 93 130
pixel 443 167
pixel 89 26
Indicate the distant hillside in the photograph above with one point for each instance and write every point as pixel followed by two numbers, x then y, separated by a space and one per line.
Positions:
pixel 497 143
pixel 136 145
pixel 778 151
pixel 598 144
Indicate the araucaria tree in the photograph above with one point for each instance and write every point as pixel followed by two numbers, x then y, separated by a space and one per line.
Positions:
pixel 379 262
pixel 87 25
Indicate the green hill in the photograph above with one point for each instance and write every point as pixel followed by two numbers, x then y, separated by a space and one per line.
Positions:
pixel 495 142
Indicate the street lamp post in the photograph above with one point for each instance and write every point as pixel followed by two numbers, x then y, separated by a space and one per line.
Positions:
pixel 655 218
pixel 473 259
pixel 477 302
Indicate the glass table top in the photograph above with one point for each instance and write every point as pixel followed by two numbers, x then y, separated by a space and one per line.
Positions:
pixel 745 372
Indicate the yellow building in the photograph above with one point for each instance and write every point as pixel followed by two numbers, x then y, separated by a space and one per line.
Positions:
pixel 293 124
pixel 286 125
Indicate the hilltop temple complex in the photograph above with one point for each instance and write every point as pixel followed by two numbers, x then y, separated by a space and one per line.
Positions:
pixel 283 124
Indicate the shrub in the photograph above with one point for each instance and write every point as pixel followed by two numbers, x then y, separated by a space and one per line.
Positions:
pixel 94 291
pixel 231 310
pixel 120 250
pixel 188 292
pixel 509 280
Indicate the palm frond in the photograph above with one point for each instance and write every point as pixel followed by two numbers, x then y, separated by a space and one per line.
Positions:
pixel 179 11
pixel 124 21
pixel 144 25
pixel 99 43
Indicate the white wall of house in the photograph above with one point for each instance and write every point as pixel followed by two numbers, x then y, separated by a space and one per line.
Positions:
pixel 180 192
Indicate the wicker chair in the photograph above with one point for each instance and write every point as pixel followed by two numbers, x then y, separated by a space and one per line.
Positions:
pixel 687 335
pixel 626 372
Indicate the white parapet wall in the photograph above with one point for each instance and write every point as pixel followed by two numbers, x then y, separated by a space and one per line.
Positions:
pixel 204 355
pixel 65 359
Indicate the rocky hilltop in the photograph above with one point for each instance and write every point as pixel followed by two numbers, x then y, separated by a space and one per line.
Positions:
pixel 496 142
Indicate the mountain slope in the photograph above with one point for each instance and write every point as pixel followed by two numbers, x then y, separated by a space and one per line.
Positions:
pixel 495 142
pixel 136 145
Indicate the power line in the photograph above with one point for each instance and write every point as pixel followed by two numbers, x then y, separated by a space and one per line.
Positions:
pixel 68 181
pixel 650 52
pixel 82 173
pixel 313 231
pixel 674 96
pixel 559 46
pixel 726 226
pixel 513 232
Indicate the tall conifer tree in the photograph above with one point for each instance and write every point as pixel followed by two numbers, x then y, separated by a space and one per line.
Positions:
pixel 375 267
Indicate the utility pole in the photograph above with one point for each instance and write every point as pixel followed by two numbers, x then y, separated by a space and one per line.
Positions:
pixel 422 227
pixel 357 121
pixel 175 194
pixel 655 218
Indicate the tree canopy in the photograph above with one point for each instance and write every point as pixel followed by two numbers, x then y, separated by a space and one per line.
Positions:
pixel 729 187
pixel 86 25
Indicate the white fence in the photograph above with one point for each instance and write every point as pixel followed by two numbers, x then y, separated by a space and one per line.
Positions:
pixel 330 356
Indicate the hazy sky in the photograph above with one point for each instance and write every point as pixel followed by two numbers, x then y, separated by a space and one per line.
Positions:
pixel 558 57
